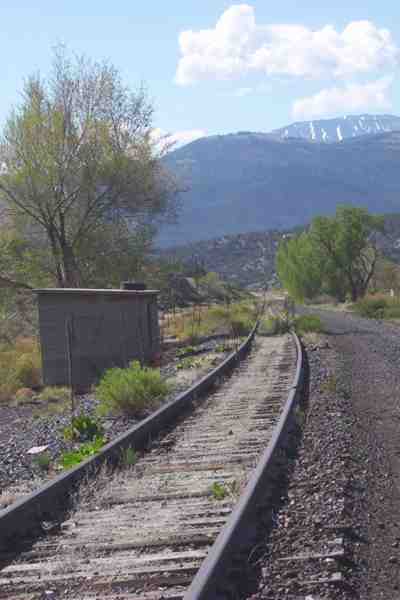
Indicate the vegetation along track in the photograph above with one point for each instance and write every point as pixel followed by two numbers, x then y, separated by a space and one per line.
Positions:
pixel 146 530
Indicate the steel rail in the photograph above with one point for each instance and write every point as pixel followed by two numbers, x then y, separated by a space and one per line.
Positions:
pixel 25 516
pixel 240 531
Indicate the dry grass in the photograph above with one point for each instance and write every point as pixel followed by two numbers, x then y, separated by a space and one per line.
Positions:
pixel 20 367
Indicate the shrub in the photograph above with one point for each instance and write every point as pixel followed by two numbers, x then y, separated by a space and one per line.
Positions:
pixel 83 428
pixel 20 366
pixel 28 370
pixel 371 307
pixel 130 390
pixel 392 312
pixel 308 324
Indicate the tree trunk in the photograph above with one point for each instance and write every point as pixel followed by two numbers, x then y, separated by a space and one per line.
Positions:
pixel 70 274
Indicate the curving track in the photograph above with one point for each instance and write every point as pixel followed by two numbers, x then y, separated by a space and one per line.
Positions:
pixel 146 531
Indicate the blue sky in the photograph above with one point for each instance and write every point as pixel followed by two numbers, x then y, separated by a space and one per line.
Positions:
pixel 216 66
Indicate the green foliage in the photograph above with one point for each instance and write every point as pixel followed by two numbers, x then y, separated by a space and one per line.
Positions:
pixel 219 491
pixel 378 307
pixel 336 256
pixel 128 457
pixel 276 325
pixel 308 324
pixel 371 308
pixel 72 458
pixel 223 347
pixel 190 363
pixel 130 390
pixel 43 461
pixel 83 429
pixel 50 147
pixel 299 267
pixel 186 351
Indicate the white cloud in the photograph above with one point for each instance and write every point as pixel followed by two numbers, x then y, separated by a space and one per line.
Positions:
pixel 177 139
pixel 238 46
pixel 351 98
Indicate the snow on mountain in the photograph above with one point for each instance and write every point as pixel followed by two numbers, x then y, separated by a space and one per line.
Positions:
pixel 336 130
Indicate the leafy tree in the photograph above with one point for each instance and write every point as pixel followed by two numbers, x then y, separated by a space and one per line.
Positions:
pixel 299 267
pixel 77 157
pixel 337 255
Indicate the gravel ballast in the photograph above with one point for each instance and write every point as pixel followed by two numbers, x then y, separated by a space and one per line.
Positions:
pixel 337 532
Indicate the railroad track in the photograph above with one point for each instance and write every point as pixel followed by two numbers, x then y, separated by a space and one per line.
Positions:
pixel 144 532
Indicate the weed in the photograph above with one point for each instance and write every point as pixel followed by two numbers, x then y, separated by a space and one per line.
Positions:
pixel 329 385
pixel 186 351
pixel 219 491
pixel 190 363
pixel 43 461
pixel 128 457
pixel 220 348
pixel 83 429
pixel 74 457
pixel 300 417
pixel 130 390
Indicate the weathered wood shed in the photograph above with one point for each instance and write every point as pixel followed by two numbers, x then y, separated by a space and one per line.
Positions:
pixel 98 329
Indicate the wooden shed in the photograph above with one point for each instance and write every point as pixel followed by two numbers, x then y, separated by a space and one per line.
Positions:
pixel 85 331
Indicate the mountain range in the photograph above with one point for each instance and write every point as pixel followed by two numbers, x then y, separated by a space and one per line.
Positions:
pixel 337 130
pixel 245 182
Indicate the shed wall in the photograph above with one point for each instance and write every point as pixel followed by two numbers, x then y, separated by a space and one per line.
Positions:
pixel 106 330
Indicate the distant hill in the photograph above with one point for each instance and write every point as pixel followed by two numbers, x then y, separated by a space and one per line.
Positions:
pixel 249 259
pixel 337 130
pixel 248 182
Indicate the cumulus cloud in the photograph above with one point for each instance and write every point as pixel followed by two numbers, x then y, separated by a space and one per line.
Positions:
pixel 350 98
pixel 178 138
pixel 238 46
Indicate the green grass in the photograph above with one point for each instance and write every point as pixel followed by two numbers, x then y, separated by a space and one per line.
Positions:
pixel 378 307
pixel 130 390
pixel 71 459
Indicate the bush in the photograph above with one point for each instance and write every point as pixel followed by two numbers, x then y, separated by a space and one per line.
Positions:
pixel 308 324
pixel 392 312
pixel 371 307
pixel 83 428
pixel 130 390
